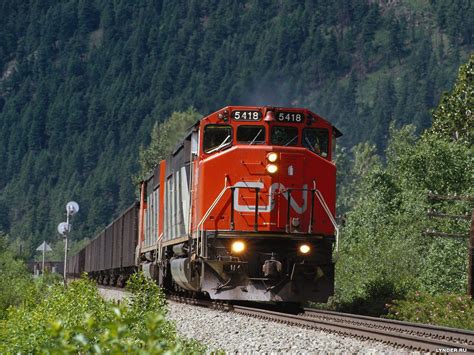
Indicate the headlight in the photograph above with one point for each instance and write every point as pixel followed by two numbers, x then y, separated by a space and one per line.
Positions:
pixel 272 168
pixel 305 248
pixel 272 157
pixel 238 247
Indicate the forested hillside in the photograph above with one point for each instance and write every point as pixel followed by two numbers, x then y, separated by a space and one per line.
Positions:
pixel 83 82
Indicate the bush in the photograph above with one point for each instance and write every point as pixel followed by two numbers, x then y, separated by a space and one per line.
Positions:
pixel 79 320
pixel 28 327
pixel 450 310
pixel 15 279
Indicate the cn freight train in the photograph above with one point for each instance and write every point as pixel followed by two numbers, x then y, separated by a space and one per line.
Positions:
pixel 243 209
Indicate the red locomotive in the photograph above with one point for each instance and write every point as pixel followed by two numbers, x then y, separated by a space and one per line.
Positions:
pixel 243 209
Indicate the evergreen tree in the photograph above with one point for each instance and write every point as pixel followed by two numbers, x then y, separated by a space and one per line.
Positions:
pixel 396 38
pixel 383 112
pixel 88 17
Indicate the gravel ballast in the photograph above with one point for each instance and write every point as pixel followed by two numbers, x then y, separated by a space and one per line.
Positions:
pixel 111 294
pixel 235 333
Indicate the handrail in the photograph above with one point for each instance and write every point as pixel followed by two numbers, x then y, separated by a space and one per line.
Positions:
pixel 331 218
pixel 208 212
pixel 311 215
pixel 200 226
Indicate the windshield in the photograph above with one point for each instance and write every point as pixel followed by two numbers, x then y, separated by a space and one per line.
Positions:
pixel 283 135
pixel 216 137
pixel 316 140
pixel 251 134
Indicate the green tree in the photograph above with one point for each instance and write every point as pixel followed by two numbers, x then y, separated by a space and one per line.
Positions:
pixel 384 107
pixel 88 17
pixel 396 38
pixel 454 116
pixel 164 138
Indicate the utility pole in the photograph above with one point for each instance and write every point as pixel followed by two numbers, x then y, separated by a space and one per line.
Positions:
pixel 64 229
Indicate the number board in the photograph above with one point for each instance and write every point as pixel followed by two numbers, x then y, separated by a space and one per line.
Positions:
pixel 293 117
pixel 246 115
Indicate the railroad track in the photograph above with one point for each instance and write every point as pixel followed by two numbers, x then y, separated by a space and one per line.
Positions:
pixel 413 334
pixel 418 337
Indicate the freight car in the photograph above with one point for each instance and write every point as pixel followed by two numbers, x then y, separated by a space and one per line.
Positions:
pixel 243 209
pixel 110 257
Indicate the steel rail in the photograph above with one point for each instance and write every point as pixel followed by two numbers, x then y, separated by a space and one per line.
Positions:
pixel 418 337
pixel 460 336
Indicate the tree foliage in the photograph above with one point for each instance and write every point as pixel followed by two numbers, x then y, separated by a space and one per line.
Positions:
pixel 164 138
pixel 454 116
pixel 384 251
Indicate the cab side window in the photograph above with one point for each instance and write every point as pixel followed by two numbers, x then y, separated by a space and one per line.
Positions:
pixel 216 137
pixel 316 140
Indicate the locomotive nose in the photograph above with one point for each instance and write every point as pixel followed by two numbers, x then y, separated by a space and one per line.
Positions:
pixel 289 189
